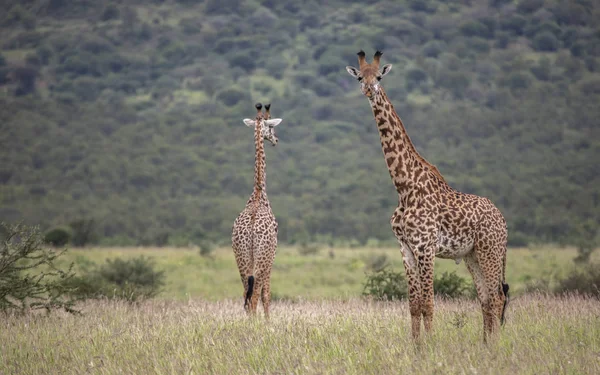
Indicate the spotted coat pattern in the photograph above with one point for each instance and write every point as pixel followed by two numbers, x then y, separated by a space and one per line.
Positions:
pixel 433 219
pixel 254 235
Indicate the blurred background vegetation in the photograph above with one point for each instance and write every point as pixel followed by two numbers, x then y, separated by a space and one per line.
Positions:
pixel 121 121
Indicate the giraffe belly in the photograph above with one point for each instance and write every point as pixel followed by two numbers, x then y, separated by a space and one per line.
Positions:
pixel 453 248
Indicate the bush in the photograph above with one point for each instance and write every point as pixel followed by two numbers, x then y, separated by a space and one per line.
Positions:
pixel 83 232
pixel 131 280
pixel 416 75
pixel 517 80
pixel 110 12
pixel 386 285
pixel 308 249
pixel 190 25
pixel 433 48
pixel 542 70
pixel 582 281
pixel 377 262
pixel 476 28
pixel 26 77
pixel 515 24
pixel 206 248
pixel 232 96
pixel 29 277
pixel 58 237
pixel 450 285
pixel 243 60
pixel 545 41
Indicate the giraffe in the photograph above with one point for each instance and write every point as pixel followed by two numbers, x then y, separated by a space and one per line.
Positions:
pixel 433 219
pixel 254 235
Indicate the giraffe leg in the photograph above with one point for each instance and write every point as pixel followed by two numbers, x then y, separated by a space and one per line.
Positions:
pixel 484 268
pixel 426 263
pixel 490 260
pixel 480 284
pixel 255 296
pixel 246 302
pixel 414 288
pixel 266 295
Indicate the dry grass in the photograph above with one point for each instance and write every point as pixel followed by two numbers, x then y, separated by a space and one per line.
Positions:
pixel 543 335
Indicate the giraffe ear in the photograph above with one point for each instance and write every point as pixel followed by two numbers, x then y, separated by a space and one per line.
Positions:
pixel 249 122
pixel 273 121
pixel 353 71
pixel 386 69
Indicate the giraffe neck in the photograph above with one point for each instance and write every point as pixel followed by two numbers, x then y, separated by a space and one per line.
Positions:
pixel 407 167
pixel 260 177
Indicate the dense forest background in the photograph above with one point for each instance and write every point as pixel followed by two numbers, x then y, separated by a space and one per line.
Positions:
pixel 126 116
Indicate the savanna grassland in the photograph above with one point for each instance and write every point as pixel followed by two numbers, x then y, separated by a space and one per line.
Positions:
pixel 329 273
pixel 543 335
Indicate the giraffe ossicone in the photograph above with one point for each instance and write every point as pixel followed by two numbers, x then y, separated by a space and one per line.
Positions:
pixel 433 219
pixel 254 234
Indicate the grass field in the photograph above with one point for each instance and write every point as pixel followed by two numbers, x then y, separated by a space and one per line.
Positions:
pixel 543 335
pixel 331 273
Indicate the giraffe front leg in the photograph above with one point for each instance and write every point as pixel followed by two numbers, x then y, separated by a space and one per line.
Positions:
pixel 426 262
pixel 414 289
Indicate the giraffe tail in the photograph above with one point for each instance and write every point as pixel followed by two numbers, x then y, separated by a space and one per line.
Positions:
pixel 505 289
pixel 249 292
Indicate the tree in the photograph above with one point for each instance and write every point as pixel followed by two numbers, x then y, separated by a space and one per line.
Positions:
pixel 29 276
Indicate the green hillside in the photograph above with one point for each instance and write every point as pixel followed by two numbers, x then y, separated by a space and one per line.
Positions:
pixel 129 113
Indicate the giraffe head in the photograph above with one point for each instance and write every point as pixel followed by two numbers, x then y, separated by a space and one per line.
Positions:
pixel 266 125
pixel 369 75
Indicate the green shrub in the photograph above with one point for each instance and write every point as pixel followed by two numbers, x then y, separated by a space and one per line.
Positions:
pixel 416 75
pixel 83 232
pixel 542 70
pixel 190 25
pixel 232 96
pixel 110 12
pixel 545 41
pixel 206 248
pixel 307 249
pixel 476 28
pixel 479 45
pixel 501 40
pixel 518 239
pixel 386 285
pixel 29 276
pixel 433 48
pixel 517 80
pixel 515 24
pixel 243 60
pixel 58 236
pixel 529 6
pixel 585 280
pixel 450 285
pixel 131 280
pixel 377 262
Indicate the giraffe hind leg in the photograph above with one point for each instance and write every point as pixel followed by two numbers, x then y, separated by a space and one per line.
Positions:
pixel 266 296
pixel 486 271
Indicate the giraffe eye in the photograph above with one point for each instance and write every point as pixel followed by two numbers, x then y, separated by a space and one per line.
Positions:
pixel 379 78
pixel 359 79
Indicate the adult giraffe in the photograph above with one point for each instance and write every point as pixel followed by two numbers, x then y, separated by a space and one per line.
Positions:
pixel 432 219
pixel 254 234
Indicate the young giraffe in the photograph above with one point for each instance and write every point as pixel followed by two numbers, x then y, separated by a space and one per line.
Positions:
pixel 254 236
pixel 432 219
